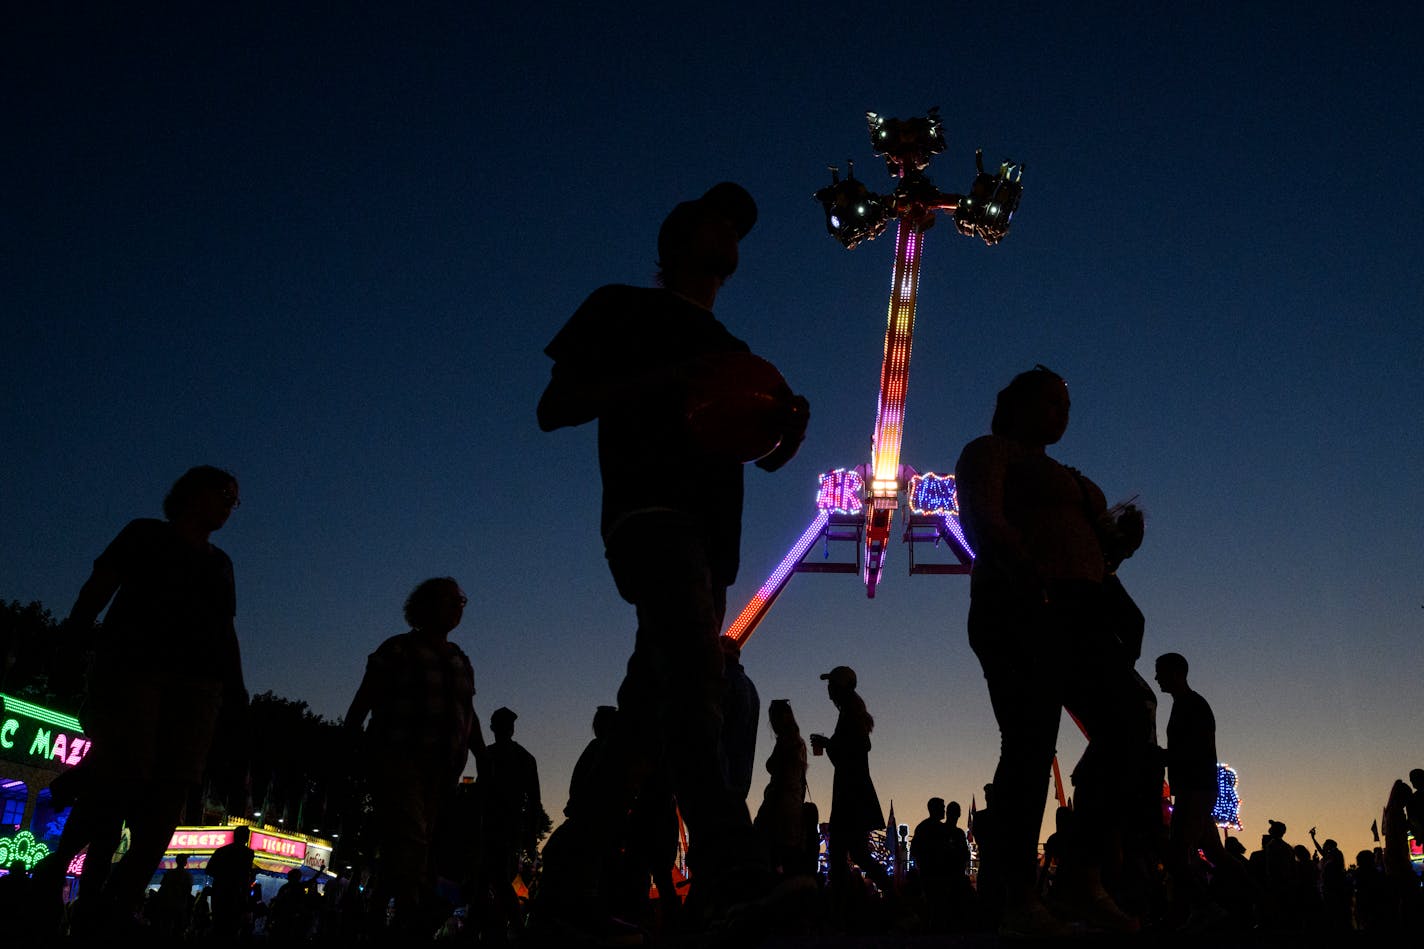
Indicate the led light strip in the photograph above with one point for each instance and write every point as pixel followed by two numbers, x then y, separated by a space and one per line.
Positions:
pixel 895 370
pixel 751 613
pixel 41 714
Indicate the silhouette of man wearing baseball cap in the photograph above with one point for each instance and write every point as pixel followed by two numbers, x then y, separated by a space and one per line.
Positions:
pixel 855 806
pixel 671 526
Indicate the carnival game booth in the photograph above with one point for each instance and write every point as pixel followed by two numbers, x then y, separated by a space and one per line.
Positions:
pixel 275 854
pixel 276 851
pixel 37 745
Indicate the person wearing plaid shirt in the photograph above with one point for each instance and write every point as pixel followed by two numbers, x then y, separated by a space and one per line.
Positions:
pixel 419 691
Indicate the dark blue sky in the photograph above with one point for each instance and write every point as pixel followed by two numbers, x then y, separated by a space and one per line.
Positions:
pixel 325 247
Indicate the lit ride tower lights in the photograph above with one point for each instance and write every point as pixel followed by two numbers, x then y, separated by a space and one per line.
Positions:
pixel 858 504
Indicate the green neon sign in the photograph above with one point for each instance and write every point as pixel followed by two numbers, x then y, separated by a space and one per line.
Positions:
pixel 38 732
pixel 24 848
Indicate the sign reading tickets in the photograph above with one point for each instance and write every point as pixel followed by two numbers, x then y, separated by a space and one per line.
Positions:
pixel 207 839
pixel 187 839
pixel 273 845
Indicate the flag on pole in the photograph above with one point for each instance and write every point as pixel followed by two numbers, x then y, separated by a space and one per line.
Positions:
pixel 969 830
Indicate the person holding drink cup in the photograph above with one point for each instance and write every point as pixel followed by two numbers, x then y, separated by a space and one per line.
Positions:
pixel 855 806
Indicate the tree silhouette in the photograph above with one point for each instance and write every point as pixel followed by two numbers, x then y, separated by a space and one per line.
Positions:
pixel 37 663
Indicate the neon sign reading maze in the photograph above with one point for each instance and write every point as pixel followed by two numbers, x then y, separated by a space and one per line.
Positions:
pixel 41 733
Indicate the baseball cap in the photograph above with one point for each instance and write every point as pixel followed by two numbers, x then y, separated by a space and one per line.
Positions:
pixel 842 676
pixel 726 199
pixel 732 202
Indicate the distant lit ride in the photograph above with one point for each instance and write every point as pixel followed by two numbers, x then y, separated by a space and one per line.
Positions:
pixel 858 505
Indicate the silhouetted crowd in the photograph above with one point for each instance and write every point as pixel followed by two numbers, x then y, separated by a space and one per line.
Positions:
pixel 664 840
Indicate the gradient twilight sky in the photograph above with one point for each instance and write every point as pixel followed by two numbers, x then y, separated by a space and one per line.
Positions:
pixel 325 248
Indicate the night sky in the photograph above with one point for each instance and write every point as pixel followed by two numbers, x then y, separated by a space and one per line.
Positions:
pixel 324 245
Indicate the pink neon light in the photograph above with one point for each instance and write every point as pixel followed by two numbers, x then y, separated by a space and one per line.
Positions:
pixel 840 491
pixel 280 846
pixel 199 839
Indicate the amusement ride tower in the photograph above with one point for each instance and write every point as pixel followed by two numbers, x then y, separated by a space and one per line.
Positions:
pixel 859 504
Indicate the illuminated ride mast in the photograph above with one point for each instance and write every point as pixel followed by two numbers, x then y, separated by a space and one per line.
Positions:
pixel 859 504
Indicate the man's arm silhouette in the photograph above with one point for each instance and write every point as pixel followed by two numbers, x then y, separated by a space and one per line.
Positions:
pixel 569 400
pixel 577 393
pixel 93 596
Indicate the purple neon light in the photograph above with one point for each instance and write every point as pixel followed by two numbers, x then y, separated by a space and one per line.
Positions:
pixel 1227 812
pixel 931 493
pixel 951 523
pixel 794 555
pixel 840 491
pixel 778 577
